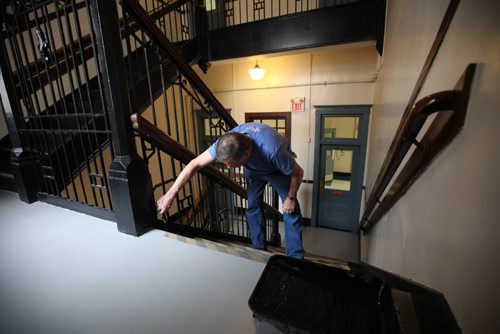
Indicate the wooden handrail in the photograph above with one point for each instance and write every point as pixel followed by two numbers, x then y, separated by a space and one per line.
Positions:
pixel 170 146
pixel 443 28
pixel 451 107
pixel 389 166
pixel 398 148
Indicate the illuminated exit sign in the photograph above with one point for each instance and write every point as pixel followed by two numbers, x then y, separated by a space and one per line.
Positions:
pixel 297 104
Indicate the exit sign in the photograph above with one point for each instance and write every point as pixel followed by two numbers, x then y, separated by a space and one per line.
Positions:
pixel 297 104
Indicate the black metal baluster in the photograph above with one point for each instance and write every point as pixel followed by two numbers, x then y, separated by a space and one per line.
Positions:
pixel 103 106
pixel 174 111
pixel 39 119
pixel 159 153
pixel 95 115
pixel 79 92
pixel 177 135
pixel 33 107
pixel 184 123
pixel 63 132
pixel 54 122
pixel 25 94
pixel 127 32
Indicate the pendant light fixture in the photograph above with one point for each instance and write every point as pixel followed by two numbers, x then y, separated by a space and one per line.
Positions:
pixel 257 72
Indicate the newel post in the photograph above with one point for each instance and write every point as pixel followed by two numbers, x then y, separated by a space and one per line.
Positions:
pixel 130 181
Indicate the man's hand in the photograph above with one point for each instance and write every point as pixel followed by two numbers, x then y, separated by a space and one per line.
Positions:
pixel 288 206
pixel 165 202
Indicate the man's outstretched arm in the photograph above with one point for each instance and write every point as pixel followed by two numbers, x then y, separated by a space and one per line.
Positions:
pixel 165 202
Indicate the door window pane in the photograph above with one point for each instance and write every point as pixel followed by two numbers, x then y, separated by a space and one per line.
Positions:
pixel 338 169
pixel 276 123
pixel 340 127
pixel 270 122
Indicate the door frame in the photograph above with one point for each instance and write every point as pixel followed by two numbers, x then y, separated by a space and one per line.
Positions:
pixel 363 112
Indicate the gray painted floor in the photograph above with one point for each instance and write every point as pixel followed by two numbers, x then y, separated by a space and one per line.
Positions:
pixel 65 272
pixel 331 243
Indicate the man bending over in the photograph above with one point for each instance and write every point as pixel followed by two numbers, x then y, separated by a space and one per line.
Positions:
pixel 266 157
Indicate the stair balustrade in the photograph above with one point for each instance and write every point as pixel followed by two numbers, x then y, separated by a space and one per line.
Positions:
pixel 182 107
pixel 72 74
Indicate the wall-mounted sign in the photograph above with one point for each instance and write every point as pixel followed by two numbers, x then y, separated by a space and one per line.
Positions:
pixel 298 104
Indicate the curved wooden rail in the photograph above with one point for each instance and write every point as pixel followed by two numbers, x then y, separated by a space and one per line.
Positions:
pixel 451 107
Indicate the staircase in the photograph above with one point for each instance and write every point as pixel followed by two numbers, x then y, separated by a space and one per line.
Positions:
pixel 72 127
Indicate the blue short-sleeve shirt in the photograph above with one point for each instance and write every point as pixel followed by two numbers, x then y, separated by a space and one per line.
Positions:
pixel 271 151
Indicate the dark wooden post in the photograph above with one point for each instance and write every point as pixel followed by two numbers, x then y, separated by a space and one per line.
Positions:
pixel 130 181
pixel 200 31
pixel 21 160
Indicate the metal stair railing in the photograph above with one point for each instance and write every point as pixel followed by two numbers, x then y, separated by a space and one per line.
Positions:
pixel 189 113
pixel 165 50
pixel 83 46
pixel 60 100
pixel 220 197
pixel 59 116
pixel 223 14
pixel 50 52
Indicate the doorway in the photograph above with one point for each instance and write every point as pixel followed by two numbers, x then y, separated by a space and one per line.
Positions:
pixel 340 149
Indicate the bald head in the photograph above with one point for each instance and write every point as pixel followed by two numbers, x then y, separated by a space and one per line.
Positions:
pixel 233 146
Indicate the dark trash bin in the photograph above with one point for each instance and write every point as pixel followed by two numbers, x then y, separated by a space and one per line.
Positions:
pixel 299 296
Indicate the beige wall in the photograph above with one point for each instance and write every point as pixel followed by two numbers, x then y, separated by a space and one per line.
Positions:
pixel 340 75
pixel 444 232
